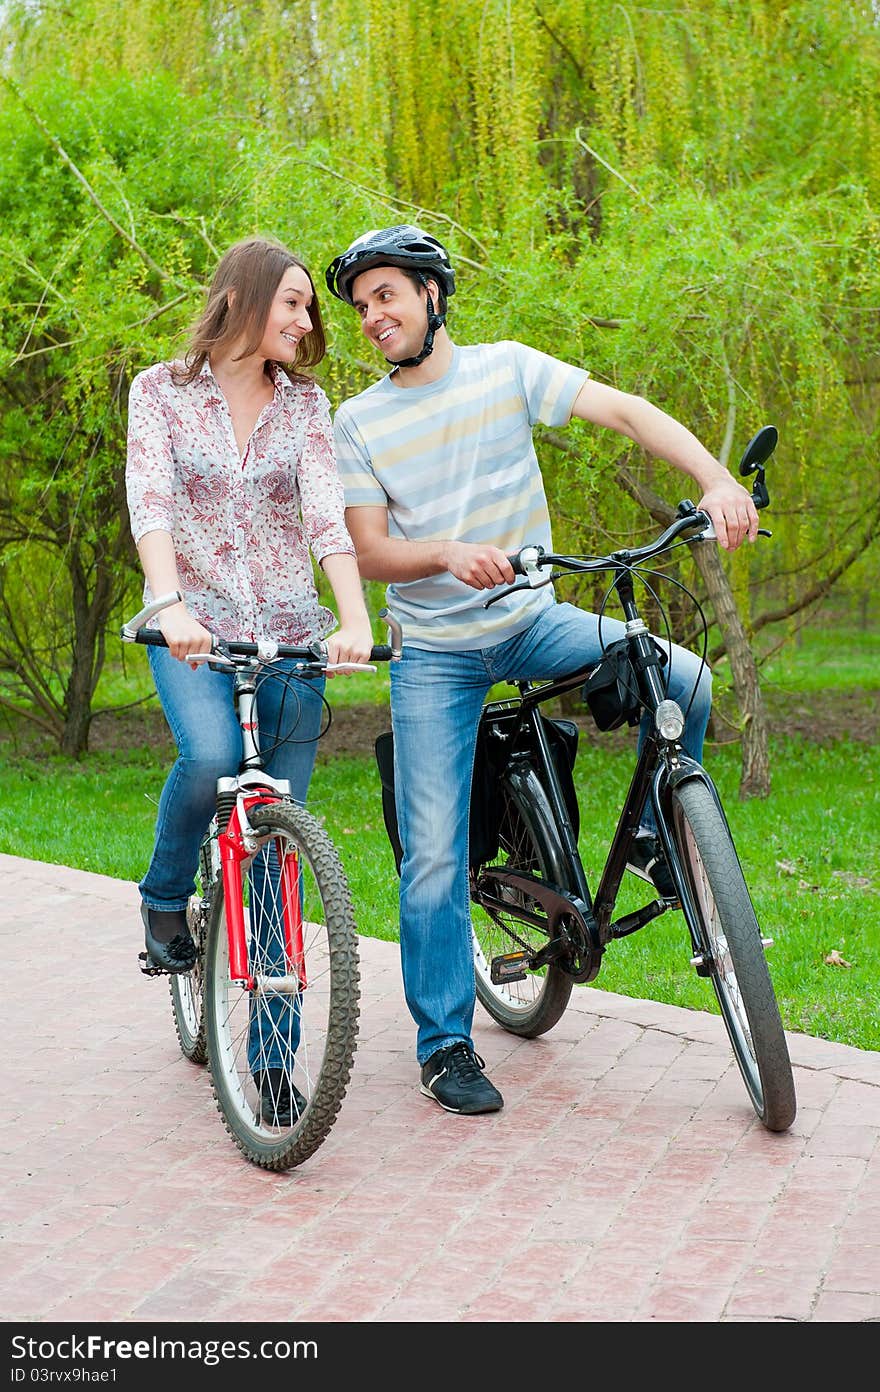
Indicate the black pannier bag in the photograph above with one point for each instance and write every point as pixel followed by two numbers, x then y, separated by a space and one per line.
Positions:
pixel 492 752
pixel 611 690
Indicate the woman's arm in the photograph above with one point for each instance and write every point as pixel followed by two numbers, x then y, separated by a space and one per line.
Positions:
pixel 183 633
pixel 353 639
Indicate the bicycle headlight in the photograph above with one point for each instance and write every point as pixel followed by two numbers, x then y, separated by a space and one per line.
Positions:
pixel 669 720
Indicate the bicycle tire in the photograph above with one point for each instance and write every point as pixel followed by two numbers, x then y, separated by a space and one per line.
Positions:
pixel 324 1014
pixel 731 943
pixel 529 843
pixel 187 1003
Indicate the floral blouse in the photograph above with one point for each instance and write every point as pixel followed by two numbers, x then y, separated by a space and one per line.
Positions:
pixel 242 525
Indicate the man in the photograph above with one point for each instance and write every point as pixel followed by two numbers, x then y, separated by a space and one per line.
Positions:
pixel 441 483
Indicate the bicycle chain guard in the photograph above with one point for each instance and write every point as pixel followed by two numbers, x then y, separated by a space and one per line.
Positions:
pixel 573 938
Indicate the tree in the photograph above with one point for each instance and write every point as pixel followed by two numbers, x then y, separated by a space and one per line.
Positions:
pixel 85 305
pixel 682 199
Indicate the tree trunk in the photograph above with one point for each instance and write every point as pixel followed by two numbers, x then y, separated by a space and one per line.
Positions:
pixel 77 723
pixel 755 770
pixel 90 615
pixel 80 686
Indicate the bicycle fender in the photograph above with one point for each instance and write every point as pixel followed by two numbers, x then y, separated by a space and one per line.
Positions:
pixel 684 770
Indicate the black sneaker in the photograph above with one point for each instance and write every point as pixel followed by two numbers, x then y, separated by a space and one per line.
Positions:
pixel 281 1102
pixel 646 859
pixel 168 940
pixel 454 1077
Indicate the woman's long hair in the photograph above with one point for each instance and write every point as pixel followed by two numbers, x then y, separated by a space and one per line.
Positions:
pixel 252 269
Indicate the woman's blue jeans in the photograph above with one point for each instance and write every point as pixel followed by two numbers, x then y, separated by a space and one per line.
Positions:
pixel 199 708
pixel 436 700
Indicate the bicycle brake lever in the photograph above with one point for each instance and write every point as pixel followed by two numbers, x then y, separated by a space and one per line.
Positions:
pixel 527 564
pixel 217 659
pixel 513 589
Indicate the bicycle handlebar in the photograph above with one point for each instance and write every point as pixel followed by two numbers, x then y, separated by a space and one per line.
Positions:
pixel 267 650
pixel 532 559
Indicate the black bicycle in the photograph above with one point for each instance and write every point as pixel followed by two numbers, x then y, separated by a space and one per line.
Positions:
pixel 537 927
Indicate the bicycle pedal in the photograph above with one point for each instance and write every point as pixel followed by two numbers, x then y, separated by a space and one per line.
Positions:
pixel 510 966
pixel 149 967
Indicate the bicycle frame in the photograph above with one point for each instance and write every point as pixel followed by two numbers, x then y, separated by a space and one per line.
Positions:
pixel 237 846
pixel 254 787
pixel 661 765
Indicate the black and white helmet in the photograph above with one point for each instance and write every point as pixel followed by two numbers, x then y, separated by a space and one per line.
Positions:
pixel 404 245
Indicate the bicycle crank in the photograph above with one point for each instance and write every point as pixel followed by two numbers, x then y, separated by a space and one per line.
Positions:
pixel 572 934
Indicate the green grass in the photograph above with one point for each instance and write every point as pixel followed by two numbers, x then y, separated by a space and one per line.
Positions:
pixel 811 860
pixel 814 872
pixel 842 656
pixel 810 850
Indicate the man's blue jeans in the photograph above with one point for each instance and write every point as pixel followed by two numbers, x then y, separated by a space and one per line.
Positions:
pixel 199 709
pixel 436 699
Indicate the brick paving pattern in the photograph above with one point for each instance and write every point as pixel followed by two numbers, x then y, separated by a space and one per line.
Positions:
pixel 627 1160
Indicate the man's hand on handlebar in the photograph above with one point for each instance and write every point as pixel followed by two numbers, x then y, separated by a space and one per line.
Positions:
pixel 183 633
pixel 478 564
pixel 734 515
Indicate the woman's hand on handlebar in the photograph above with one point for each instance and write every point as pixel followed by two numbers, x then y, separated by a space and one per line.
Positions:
pixel 733 512
pixel 183 633
pixel 351 643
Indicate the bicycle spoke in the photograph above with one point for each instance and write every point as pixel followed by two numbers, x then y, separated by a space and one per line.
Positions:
pixel 280 1053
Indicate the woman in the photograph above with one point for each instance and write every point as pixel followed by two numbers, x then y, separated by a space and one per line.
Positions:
pixel 231 480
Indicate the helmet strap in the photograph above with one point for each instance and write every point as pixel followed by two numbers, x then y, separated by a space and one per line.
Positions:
pixel 435 321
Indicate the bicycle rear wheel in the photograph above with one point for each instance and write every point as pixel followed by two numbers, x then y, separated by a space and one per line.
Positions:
pixel 528 843
pixel 186 987
pixel 732 952
pixel 301 1015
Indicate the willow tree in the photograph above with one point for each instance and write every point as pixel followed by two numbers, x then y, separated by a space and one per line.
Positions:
pixel 681 199
pixel 86 304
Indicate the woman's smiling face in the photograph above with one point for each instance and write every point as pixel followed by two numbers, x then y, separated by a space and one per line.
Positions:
pixel 288 319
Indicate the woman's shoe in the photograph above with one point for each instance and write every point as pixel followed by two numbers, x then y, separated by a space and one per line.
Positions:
pixel 173 950
pixel 281 1102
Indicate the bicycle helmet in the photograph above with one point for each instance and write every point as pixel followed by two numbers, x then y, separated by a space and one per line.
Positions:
pixel 406 246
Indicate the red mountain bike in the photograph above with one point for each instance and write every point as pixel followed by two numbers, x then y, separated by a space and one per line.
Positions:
pixel 272 1002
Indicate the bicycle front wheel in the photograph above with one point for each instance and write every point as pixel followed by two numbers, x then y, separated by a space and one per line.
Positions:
pixel 280 1049
pixel 529 844
pixel 186 987
pixel 733 953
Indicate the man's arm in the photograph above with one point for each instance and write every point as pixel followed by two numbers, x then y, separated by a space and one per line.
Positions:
pixel 727 502
pixel 393 559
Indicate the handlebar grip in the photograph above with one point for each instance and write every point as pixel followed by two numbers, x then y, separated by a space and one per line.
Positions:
pixel 527 560
pixel 152 637
pixel 380 653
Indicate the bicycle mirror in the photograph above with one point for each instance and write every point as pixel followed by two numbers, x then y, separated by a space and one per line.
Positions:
pixel 758 450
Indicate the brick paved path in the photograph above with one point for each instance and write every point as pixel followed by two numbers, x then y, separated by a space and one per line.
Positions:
pixel 627 1158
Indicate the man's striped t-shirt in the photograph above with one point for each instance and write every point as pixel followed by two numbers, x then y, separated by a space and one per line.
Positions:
pixel 454 460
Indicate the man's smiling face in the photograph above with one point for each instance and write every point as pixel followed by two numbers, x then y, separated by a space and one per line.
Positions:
pixel 393 311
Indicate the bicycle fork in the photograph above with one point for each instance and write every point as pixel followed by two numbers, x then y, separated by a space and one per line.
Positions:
pixel 238 844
